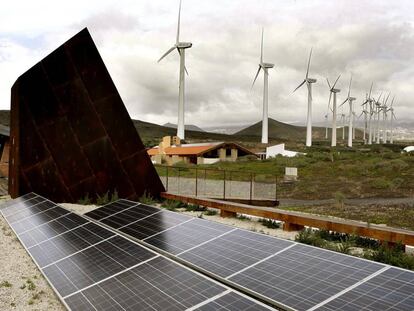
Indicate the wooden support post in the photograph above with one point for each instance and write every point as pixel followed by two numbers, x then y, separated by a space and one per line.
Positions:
pixel 224 213
pixel 288 226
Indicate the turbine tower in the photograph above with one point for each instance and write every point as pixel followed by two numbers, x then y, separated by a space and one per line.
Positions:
pixel 265 67
pixel 308 82
pixel 181 47
pixel 350 100
pixel 384 120
pixel 392 118
pixel 333 91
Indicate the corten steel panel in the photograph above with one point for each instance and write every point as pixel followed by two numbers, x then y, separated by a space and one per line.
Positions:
pixel 71 134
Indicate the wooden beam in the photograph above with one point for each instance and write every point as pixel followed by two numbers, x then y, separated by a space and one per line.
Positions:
pixel 394 235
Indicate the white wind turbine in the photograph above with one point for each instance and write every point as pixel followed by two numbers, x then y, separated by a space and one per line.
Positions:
pixel 365 112
pixel 333 91
pixel 384 120
pixel 181 47
pixel 308 82
pixel 265 67
pixel 350 100
pixel 392 118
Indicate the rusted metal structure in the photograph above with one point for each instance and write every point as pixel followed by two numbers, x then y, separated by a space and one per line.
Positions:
pixel 71 134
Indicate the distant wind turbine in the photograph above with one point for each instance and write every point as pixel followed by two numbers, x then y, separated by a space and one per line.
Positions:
pixel 333 91
pixel 265 118
pixel 308 82
pixel 181 47
pixel 350 100
pixel 392 118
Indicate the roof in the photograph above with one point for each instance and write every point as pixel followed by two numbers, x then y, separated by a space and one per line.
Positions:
pixel 194 149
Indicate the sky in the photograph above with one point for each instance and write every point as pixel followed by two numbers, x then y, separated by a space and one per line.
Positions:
pixel 372 40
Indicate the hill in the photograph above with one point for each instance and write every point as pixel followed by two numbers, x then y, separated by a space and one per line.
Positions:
pixel 284 131
pixel 189 127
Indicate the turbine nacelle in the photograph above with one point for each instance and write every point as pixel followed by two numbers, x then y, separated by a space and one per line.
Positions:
pixel 310 80
pixel 267 65
pixel 352 98
pixel 335 90
pixel 183 45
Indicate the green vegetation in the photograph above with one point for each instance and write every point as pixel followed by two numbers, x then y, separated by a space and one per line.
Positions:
pixel 172 205
pixel 30 285
pixel 194 208
pixel 369 171
pixel 269 223
pixel 344 243
pixel 5 284
pixel 100 200
pixel 146 198
pixel 210 212
pixel 242 217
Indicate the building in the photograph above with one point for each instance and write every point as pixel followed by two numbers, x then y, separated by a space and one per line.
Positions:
pixel 4 150
pixel 171 151
pixel 275 150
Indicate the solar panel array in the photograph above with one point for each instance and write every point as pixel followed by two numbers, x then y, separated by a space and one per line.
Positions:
pixel 93 268
pixel 284 273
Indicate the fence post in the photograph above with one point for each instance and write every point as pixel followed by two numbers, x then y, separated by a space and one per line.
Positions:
pixel 196 180
pixel 251 187
pixel 179 175
pixel 167 179
pixel 224 185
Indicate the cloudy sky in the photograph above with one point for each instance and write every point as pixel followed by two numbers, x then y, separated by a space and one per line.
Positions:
pixel 373 40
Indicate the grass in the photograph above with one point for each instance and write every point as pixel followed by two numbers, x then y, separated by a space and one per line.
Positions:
pixel 269 223
pixel 344 243
pixel 106 198
pixel 5 284
pixel 146 198
pixel 30 285
pixel 210 212
pixel 242 217
pixel 368 171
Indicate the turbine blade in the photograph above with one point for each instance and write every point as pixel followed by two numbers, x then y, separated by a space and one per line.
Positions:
pixel 185 68
pixel 329 102
pixel 257 74
pixel 333 86
pixel 328 83
pixel 370 90
pixel 299 85
pixel 166 53
pixel 344 102
pixel 385 103
pixel 261 48
pixel 178 25
pixel 392 102
pixel 349 88
pixel 307 70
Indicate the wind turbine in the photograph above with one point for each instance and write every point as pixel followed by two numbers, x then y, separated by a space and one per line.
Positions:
pixel 181 47
pixel 342 121
pixel 384 109
pixel 367 101
pixel 392 118
pixel 265 67
pixel 333 91
pixel 378 117
pixel 308 82
pixel 326 124
pixel 350 100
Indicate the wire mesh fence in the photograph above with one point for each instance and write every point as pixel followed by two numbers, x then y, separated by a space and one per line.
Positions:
pixel 215 183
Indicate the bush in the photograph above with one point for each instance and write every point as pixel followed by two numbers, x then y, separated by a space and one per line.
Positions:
pixel 86 200
pixel 172 205
pixel 394 256
pixel 381 183
pixel 340 199
pixel 308 236
pixel 269 223
pixel 194 208
pixel 210 212
pixel 146 198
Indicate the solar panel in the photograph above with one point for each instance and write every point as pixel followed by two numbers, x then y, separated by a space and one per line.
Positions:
pixel 390 290
pixel 186 236
pixel 288 274
pixel 110 209
pixel 154 224
pixel 233 252
pixel 93 268
pixel 126 217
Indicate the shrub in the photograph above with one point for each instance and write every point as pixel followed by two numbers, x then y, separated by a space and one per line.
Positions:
pixel 86 200
pixel 5 284
pixel 210 212
pixel 146 198
pixel 380 183
pixel 172 205
pixel 339 199
pixel 195 208
pixel 308 236
pixel 391 255
pixel 269 223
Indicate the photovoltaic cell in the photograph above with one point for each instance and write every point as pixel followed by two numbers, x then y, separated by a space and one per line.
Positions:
pixel 158 284
pixel 154 224
pixel 38 219
pixel 110 209
pixel 51 229
pixel 392 290
pixel 233 252
pixel 68 243
pixel 303 276
pixel 30 211
pixel 187 235
pixel 18 205
pixel 233 302
pixel 130 215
